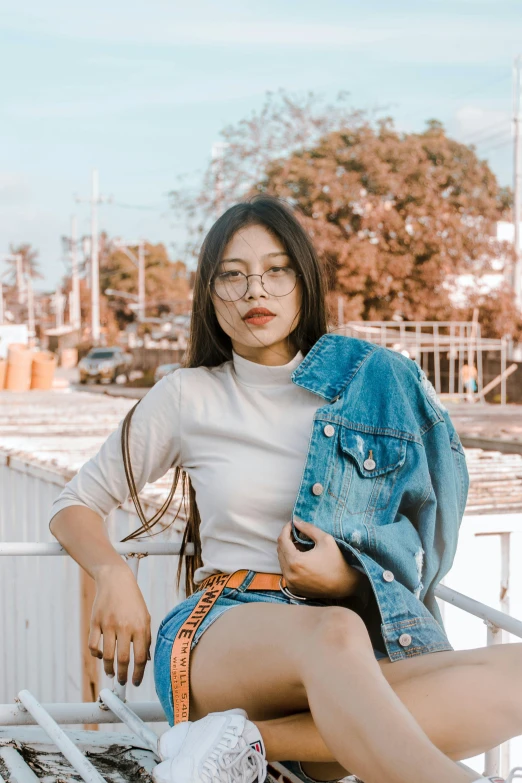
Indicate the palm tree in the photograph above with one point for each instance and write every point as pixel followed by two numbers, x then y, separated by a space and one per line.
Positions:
pixel 23 264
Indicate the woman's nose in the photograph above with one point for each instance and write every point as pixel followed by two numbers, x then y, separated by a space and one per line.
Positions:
pixel 255 287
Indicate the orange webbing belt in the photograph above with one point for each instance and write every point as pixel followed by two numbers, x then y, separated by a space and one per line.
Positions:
pixel 212 588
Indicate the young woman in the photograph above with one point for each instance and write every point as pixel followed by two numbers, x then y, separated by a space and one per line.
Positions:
pixel 326 489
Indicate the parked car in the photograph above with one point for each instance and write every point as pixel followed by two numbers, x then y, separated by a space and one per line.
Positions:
pixel 164 369
pixel 105 364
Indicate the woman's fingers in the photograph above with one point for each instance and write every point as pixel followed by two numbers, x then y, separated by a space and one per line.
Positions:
pixel 141 644
pixel 94 641
pixel 109 644
pixel 123 656
pixel 119 645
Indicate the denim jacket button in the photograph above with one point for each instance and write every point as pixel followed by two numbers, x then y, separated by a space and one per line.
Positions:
pixel 405 640
pixel 329 431
pixel 388 576
pixel 317 489
pixel 369 464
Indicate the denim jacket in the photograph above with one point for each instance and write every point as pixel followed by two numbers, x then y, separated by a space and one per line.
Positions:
pixel 386 476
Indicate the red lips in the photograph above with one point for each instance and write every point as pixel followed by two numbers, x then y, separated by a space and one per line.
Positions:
pixel 257 311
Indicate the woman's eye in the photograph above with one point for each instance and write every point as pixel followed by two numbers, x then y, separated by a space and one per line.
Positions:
pixel 229 275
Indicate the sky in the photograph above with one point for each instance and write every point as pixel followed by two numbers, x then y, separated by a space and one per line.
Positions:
pixel 141 91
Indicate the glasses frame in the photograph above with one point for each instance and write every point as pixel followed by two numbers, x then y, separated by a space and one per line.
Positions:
pixel 277 296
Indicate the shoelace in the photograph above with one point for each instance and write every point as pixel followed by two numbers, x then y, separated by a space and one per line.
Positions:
pixel 242 761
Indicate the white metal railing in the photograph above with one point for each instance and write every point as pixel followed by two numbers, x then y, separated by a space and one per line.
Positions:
pixel 110 707
pixel 461 341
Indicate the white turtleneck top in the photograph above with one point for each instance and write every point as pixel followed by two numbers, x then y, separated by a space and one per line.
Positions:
pixel 240 431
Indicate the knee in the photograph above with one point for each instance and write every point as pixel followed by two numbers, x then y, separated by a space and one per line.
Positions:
pixel 338 628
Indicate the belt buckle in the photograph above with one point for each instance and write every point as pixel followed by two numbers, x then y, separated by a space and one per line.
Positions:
pixel 288 594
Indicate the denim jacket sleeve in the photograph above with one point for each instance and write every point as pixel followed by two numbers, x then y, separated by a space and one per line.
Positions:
pixel 440 516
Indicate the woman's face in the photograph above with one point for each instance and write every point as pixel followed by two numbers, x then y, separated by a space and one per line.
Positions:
pixel 253 251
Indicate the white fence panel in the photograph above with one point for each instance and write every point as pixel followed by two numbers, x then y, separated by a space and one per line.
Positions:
pixel 40 596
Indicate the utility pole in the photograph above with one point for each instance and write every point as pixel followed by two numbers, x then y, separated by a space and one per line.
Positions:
pixel 517 178
pixel 75 314
pixel 24 285
pixel 58 302
pixel 95 269
pixel 141 280
pixel 30 306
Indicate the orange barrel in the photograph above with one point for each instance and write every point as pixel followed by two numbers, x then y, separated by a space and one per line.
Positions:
pixel 19 360
pixel 44 364
pixel 3 367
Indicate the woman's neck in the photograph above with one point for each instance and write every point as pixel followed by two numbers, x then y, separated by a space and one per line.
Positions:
pixel 269 355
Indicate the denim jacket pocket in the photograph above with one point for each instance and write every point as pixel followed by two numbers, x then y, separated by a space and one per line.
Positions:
pixel 374 462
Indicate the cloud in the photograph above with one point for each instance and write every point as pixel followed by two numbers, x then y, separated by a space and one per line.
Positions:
pixel 438 33
pixel 112 27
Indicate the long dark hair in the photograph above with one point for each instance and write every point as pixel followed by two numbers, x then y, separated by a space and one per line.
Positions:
pixel 210 346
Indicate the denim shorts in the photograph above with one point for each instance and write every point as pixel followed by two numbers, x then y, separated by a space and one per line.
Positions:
pixel 230 597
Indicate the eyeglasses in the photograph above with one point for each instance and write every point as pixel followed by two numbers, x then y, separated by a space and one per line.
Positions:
pixel 233 285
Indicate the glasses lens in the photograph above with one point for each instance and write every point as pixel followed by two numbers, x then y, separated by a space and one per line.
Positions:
pixel 233 285
pixel 230 285
pixel 279 281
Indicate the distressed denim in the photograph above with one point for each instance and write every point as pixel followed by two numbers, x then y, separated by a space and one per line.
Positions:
pixel 386 476
pixel 231 596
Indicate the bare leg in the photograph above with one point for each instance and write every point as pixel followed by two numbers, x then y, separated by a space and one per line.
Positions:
pixel 465 706
pixel 275 660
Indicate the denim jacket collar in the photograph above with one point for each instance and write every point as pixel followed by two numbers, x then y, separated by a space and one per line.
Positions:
pixel 343 356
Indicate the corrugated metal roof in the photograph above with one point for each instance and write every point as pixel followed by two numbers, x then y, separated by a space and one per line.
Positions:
pixel 495 482
pixel 62 430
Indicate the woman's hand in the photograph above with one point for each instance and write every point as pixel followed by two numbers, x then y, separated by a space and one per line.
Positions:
pixel 120 614
pixel 319 573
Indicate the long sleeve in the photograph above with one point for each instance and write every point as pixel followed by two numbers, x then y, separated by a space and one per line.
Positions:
pixel 441 515
pixel 154 445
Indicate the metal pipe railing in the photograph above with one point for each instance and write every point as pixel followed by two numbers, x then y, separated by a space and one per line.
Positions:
pixel 15 715
pixel 131 719
pixel 128 548
pixel 18 769
pixel 74 756
pixel 494 617
pixel 79 712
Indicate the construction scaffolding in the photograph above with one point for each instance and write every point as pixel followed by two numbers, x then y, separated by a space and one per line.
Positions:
pixel 459 344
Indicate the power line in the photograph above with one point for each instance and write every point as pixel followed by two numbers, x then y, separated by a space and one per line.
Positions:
pixel 491 137
pixel 497 146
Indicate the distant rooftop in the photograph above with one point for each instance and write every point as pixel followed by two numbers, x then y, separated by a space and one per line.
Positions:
pixel 495 482
pixel 60 431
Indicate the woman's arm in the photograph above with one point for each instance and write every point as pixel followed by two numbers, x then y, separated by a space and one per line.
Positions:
pixel 119 611
pixel 77 521
pixel 154 445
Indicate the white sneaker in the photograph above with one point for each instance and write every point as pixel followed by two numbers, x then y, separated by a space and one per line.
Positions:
pixel 223 747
